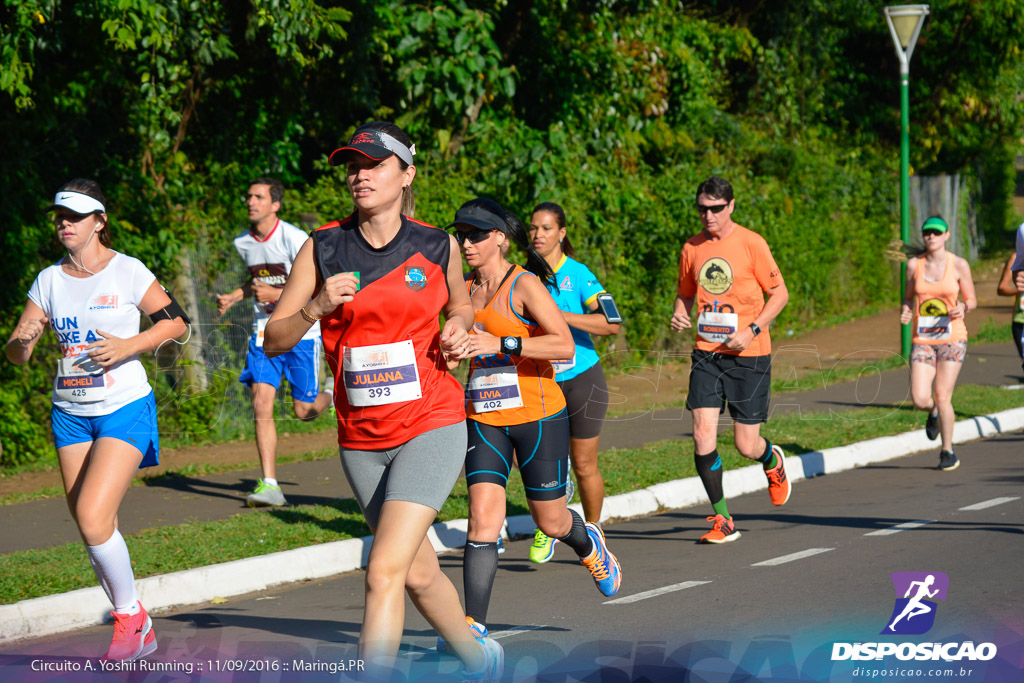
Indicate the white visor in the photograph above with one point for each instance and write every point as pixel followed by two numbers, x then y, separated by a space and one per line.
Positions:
pixel 77 202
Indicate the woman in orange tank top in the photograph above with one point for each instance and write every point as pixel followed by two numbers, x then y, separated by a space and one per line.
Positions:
pixel 514 405
pixel 935 280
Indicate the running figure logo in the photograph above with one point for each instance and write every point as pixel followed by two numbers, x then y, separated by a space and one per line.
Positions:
pixel 914 612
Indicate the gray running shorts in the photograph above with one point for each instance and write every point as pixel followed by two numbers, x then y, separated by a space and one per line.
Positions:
pixel 422 470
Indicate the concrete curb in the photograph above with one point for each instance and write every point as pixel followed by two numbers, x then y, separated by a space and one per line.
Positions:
pixel 89 606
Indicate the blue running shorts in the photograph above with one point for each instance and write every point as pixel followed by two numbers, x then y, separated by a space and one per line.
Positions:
pixel 301 367
pixel 134 423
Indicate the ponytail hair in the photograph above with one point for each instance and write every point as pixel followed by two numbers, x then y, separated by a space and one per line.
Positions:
pixel 516 232
pixel 559 212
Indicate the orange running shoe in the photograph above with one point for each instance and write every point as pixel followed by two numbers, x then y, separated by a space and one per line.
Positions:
pixel 603 565
pixel 778 483
pixel 722 531
pixel 133 636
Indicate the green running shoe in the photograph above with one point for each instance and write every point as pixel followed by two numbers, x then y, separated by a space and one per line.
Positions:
pixel 265 495
pixel 543 548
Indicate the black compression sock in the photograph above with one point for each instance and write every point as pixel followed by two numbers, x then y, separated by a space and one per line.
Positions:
pixel 578 539
pixel 767 458
pixel 478 569
pixel 709 467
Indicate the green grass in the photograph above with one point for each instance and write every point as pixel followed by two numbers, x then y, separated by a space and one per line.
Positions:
pixel 33 573
pixel 190 470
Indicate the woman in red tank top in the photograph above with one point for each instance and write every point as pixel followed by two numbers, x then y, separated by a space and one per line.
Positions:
pixel 935 281
pixel 379 281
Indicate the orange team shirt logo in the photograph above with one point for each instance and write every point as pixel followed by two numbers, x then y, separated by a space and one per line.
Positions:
pixel 934 307
pixel 715 275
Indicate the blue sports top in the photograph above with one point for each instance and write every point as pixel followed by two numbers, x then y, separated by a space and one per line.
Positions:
pixel 577 290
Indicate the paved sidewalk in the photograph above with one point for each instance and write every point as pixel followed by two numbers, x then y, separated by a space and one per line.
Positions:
pixel 44 523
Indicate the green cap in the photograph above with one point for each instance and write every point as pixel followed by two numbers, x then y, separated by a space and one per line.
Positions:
pixel 935 223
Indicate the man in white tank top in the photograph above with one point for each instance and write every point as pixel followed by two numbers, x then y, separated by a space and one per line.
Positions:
pixel 268 248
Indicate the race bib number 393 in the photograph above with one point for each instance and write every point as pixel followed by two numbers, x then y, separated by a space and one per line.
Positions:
pixel 381 374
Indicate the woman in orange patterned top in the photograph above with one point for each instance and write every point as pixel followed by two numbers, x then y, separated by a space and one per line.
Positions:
pixel 935 280
pixel 514 404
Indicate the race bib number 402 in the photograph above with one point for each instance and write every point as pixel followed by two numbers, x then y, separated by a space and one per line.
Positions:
pixel 491 389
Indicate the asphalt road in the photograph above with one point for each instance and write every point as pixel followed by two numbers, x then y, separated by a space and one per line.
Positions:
pixel 768 607
pixel 43 523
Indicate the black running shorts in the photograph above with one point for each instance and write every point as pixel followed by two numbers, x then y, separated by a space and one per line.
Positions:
pixel 541 448
pixel 586 400
pixel 742 382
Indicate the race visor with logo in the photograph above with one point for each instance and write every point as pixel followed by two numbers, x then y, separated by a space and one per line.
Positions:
pixel 375 144
pixel 77 202
pixel 479 218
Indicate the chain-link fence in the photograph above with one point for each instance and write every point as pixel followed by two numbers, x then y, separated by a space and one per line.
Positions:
pixel 201 376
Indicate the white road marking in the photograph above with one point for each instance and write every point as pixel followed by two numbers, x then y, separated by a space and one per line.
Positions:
pixel 655 592
pixel 497 635
pixel 514 631
pixel 810 552
pixel 900 527
pixel 991 503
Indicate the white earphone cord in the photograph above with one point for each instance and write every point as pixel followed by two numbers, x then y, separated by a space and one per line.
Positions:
pixel 80 265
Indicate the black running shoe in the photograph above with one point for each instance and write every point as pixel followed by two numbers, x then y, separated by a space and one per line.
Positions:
pixel 948 461
pixel 931 427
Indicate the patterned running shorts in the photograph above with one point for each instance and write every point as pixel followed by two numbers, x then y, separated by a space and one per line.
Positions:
pixel 933 354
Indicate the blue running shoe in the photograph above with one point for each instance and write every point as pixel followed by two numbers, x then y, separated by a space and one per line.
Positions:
pixel 494 662
pixel 501 546
pixel 603 565
pixel 478 629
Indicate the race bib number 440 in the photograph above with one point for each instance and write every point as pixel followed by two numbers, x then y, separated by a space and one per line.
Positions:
pixel 381 374
pixel 716 327
pixel 491 389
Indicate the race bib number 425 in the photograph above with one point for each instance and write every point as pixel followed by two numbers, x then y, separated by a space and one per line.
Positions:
pixel 80 380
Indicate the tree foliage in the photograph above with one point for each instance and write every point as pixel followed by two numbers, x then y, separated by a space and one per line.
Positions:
pixel 616 109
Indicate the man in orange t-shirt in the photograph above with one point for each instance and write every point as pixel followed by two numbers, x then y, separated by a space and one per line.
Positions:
pixel 727 270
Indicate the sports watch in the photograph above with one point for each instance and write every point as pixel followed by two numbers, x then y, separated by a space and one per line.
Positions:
pixel 512 345
pixel 755 328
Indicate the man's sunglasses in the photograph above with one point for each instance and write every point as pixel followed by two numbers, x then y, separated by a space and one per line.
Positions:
pixel 931 233
pixel 714 208
pixel 475 236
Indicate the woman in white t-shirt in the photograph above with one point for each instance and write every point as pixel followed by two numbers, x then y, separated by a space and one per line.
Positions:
pixel 104 412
